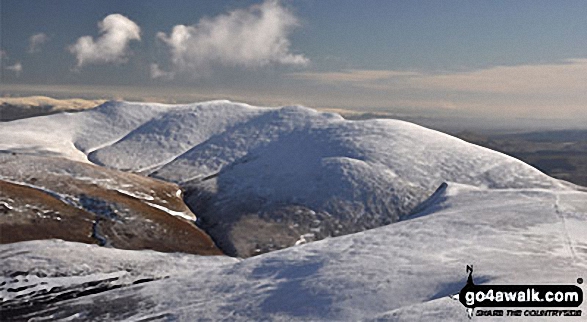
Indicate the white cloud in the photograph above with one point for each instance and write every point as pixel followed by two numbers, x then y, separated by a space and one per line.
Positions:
pixel 533 90
pixel 112 45
pixel 567 77
pixel 16 68
pixel 157 72
pixel 36 41
pixel 248 38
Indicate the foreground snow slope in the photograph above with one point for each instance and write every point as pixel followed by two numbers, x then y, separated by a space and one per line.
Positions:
pixel 400 272
pixel 285 172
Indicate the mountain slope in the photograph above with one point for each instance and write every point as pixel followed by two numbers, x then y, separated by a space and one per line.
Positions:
pixel 49 197
pixel 415 205
pixel 400 272
pixel 284 172
pixel 170 134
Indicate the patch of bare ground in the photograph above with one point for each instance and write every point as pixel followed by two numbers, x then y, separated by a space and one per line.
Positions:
pixel 29 214
pixel 45 197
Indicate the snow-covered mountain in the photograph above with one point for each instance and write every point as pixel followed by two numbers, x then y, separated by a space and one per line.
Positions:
pixel 415 207
pixel 259 178
pixel 401 272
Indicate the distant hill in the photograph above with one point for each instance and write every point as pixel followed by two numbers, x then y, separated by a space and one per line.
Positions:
pixel 14 108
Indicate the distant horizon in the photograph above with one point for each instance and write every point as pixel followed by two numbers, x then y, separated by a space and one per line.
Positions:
pixel 443 122
pixel 499 60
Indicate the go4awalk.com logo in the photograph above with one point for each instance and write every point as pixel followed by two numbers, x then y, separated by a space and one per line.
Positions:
pixel 553 300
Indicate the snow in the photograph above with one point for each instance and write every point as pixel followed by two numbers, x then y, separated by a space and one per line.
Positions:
pixel 71 135
pixel 440 204
pixel 181 138
pixel 39 266
pixel 136 194
pixel 180 214
pixel 401 272
pixel 170 134
pixel 253 160
pixel 6 205
pixel 65 198
pixel 199 140
pixel 31 284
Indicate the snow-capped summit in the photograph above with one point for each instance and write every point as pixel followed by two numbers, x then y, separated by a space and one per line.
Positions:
pixel 261 179
pixel 290 170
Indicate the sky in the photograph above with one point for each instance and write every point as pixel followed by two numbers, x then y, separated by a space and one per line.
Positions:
pixel 490 59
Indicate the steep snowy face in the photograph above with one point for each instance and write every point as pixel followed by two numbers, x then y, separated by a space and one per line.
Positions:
pixel 300 172
pixel 170 134
pixel 281 173
pixel 400 272
pixel 73 135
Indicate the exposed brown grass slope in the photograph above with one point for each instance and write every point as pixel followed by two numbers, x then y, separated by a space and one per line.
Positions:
pixel 45 197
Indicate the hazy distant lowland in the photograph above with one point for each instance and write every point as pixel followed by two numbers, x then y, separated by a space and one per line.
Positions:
pixel 560 154
pixel 14 108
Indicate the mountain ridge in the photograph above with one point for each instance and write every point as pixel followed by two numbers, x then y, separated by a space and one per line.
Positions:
pixel 290 171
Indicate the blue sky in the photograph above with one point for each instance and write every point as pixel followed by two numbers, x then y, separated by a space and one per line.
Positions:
pixel 523 59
